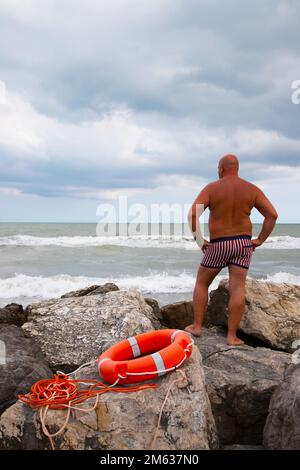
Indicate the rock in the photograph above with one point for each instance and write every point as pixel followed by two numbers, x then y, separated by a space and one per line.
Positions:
pixel 272 312
pixel 282 429
pixel 243 447
pixel 240 382
pixel 92 290
pixel 177 315
pixel 74 330
pixel 154 305
pixel 124 421
pixel 13 314
pixel 21 364
pixel 156 317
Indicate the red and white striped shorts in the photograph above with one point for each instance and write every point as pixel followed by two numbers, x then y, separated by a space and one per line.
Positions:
pixel 224 251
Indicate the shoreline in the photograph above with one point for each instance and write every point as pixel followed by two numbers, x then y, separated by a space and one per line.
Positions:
pixel 56 287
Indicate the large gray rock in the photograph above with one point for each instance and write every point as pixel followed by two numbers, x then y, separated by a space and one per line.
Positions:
pixel 22 363
pixel 92 290
pixel 272 312
pixel 13 314
pixel 177 315
pixel 240 382
pixel 282 429
pixel 125 421
pixel 243 447
pixel 74 330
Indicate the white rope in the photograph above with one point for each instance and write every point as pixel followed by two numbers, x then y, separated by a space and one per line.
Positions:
pixel 183 376
pixel 43 415
pixel 44 411
pixel 163 370
pixel 86 364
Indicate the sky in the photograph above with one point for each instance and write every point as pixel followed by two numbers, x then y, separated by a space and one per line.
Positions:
pixel 140 99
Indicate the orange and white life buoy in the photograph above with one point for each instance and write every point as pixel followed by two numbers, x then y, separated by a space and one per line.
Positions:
pixel 145 356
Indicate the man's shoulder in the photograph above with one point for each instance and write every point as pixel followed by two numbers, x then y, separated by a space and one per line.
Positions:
pixel 249 185
pixel 212 184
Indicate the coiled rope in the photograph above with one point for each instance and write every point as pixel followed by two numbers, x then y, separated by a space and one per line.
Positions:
pixel 61 392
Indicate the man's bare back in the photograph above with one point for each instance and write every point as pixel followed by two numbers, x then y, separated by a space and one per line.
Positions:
pixel 230 201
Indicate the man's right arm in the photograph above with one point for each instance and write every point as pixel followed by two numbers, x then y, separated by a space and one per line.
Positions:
pixel 265 207
pixel 198 207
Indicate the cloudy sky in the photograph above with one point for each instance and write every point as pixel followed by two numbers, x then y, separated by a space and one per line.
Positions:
pixel 141 98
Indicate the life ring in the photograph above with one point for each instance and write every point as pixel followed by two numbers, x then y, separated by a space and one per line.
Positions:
pixel 145 356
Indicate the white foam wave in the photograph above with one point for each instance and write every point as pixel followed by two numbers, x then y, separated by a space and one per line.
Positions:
pixel 283 242
pixel 287 278
pixel 42 287
pixel 142 241
pixel 22 285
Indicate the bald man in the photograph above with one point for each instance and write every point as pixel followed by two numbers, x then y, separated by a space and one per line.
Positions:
pixel 230 201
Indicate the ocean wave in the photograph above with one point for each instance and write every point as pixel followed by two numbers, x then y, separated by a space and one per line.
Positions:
pixel 42 287
pixel 142 241
pixel 282 242
pixel 287 278
pixel 22 285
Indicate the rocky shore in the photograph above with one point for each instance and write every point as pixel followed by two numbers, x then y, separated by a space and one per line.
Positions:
pixel 244 397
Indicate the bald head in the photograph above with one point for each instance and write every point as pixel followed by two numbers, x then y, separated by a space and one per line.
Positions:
pixel 228 165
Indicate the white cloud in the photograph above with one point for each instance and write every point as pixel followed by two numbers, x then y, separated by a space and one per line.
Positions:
pixel 121 141
pixel 10 191
pixel 142 100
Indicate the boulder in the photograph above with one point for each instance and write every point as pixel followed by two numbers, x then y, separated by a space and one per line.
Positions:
pixel 177 315
pixel 13 314
pixel 74 330
pixel 92 290
pixel 282 429
pixel 156 317
pixel 124 421
pixel 153 304
pixel 240 382
pixel 243 447
pixel 272 312
pixel 21 364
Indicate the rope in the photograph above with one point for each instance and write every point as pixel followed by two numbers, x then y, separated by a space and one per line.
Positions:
pixel 163 371
pixel 180 379
pixel 86 364
pixel 61 392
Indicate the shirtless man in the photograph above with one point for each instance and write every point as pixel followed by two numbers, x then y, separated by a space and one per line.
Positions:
pixel 230 200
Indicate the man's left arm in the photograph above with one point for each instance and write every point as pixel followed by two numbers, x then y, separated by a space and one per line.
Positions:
pixel 198 207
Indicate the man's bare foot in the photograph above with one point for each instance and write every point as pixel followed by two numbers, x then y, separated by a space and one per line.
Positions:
pixel 195 330
pixel 234 341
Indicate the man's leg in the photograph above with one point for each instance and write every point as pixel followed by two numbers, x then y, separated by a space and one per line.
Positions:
pixel 236 306
pixel 205 277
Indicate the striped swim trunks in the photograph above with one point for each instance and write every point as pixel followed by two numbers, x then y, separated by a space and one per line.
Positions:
pixel 222 252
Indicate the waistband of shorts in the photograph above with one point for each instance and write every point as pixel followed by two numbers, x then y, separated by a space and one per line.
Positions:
pixel 233 237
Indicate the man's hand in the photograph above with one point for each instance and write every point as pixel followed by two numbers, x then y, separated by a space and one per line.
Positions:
pixel 256 242
pixel 205 245
pixel 202 243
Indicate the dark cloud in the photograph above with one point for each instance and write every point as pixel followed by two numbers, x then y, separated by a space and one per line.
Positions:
pixel 90 65
pixel 220 65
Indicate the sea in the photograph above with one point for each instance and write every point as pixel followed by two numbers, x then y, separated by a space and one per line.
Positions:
pixel 45 260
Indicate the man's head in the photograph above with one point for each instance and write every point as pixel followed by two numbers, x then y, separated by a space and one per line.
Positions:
pixel 228 165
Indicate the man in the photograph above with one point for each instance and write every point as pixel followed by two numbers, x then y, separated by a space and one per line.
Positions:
pixel 230 200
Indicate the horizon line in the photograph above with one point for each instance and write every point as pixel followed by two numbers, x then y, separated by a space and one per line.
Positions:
pixel 94 222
